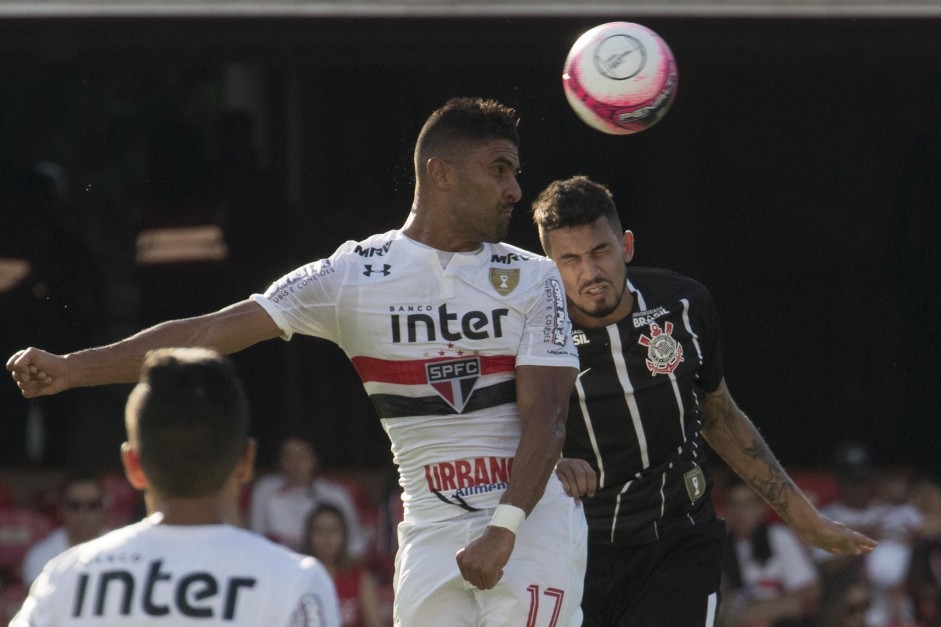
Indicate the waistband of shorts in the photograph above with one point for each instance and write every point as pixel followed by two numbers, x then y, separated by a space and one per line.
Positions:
pixel 655 530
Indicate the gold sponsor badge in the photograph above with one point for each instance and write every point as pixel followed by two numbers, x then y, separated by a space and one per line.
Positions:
pixel 695 483
pixel 504 280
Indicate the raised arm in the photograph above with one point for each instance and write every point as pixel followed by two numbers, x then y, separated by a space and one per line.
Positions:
pixel 39 373
pixel 542 395
pixel 736 439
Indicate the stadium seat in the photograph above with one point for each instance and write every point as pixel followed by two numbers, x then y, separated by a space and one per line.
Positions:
pixel 11 599
pixel 20 528
pixel 7 500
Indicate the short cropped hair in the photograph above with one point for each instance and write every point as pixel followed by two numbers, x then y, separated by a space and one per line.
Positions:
pixel 573 202
pixel 188 419
pixel 461 120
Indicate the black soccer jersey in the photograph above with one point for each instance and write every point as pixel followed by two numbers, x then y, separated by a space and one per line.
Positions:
pixel 634 414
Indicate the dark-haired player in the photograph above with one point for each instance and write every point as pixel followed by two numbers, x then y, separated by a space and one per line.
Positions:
pixel 188 448
pixel 650 391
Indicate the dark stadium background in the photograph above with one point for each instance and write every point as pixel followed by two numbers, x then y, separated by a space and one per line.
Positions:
pixel 779 179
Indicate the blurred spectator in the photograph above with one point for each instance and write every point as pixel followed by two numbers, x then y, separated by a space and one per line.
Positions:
pixel 888 565
pixel 280 503
pixel 81 507
pixel 391 512
pixel 856 504
pixel 924 574
pixel 770 579
pixel 890 519
pixel 846 598
pixel 326 538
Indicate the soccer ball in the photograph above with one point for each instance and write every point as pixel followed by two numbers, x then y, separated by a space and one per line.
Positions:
pixel 620 78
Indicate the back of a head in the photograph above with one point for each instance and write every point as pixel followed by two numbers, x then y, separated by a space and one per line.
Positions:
pixel 462 120
pixel 574 202
pixel 188 419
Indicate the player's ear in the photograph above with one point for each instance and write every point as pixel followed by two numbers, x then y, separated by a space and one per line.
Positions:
pixel 439 171
pixel 245 467
pixel 132 468
pixel 627 245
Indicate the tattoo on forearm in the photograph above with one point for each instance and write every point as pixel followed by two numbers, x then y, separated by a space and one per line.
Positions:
pixel 765 473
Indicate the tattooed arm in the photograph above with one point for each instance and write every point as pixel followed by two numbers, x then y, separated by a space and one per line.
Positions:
pixel 733 436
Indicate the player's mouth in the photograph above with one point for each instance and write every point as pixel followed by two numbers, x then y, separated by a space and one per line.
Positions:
pixel 596 290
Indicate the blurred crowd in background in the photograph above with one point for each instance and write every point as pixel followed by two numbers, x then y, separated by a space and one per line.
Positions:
pixel 348 521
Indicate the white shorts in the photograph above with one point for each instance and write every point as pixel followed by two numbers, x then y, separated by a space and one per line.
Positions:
pixel 541 585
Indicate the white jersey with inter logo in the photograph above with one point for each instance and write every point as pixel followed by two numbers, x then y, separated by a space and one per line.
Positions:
pixel 150 574
pixel 435 338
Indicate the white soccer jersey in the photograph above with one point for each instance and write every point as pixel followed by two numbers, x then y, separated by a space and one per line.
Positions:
pixel 436 347
pixel 150 574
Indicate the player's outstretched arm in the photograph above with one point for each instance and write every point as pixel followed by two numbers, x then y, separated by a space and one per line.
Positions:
pixel 40 373
pixel 736 439
pixel 542 395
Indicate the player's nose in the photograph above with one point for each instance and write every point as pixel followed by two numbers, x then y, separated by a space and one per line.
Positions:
pixel 513 192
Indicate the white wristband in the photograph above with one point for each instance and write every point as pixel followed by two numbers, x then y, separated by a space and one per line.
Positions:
pixel 508 516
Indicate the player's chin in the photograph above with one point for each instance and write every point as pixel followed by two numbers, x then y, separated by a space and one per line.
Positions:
pixel 596 308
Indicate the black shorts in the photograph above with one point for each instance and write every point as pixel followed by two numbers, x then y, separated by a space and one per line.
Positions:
pixel 670 583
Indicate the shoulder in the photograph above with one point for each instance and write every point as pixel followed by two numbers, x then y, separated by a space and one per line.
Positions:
pixel 669 283
pixel 376 245
pixel 510 255
pixel 663 277
pixel 87 550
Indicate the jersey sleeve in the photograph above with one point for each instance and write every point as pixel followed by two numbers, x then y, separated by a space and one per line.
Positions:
pixel 318 605
pixel 304 301
pixel 547 336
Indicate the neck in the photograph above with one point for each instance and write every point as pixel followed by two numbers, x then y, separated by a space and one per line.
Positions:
pixel 423 227
pixel 212 509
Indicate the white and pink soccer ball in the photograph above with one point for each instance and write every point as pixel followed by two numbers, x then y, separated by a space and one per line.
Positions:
pixel 620 78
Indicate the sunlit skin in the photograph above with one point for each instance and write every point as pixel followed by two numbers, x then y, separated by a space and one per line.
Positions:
pixel 467 199
pixel 591 259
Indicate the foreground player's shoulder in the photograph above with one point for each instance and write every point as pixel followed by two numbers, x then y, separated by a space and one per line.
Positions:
pixel 302 582
pixel 88 551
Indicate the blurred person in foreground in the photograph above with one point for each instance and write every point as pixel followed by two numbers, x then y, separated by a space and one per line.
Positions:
pixel 81 507
pixel 464 346
pixel 188 449
pixel 650 394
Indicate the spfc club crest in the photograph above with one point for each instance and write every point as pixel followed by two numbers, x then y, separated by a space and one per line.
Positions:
pixel 454 380
pixel 664 353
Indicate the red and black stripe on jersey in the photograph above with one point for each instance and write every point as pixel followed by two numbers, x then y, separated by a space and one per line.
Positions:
pixel 634 414
pixel 404 373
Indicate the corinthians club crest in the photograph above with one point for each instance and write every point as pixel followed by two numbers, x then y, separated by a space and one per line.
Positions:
pixel 664 353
